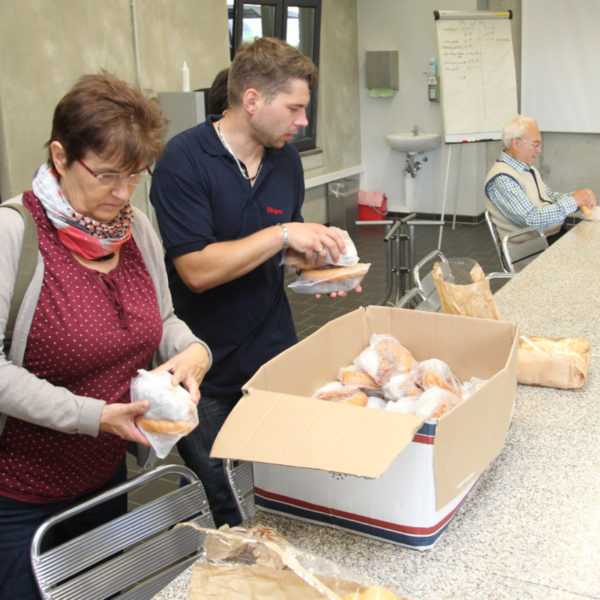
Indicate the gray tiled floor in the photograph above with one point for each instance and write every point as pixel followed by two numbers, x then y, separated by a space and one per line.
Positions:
pixel 465 240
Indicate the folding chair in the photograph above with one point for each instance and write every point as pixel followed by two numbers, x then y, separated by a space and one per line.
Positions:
pixel 425 283
pixel 414 298
pixel 521 247
pixel 241 481
pixel 135 555
pixel 496 240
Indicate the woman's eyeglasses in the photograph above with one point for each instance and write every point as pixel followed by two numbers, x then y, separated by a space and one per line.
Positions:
pixel 114 179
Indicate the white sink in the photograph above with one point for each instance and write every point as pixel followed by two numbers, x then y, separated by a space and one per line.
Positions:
pixel 409 142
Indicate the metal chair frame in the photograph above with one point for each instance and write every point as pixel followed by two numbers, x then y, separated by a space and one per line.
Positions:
pixel 240 477
pixel 414 299
pixel 400 253
pixel 521 247
pixel 135 555
pixel 426 283
pixel 497 241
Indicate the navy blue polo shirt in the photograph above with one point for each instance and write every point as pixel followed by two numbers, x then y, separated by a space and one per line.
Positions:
pixel 200 197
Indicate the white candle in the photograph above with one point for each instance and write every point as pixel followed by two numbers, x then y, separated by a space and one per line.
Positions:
pixel 185 77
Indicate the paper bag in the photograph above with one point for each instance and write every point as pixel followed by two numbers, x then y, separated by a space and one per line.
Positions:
pixel 245 582
pixel 464 290
pixel 257 563
pixel 558 363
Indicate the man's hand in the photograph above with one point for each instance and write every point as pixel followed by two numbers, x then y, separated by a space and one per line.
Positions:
pixel 333 295
pixel 312 241
pixel 584 197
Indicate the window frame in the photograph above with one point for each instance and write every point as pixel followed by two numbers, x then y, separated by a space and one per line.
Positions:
pixel 309 140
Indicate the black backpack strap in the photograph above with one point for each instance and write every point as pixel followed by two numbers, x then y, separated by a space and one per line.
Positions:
pixel 27 264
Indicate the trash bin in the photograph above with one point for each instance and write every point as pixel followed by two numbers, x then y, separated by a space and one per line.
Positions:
pixel 342 201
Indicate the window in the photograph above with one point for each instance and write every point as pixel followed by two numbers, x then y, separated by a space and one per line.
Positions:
pixel 298 22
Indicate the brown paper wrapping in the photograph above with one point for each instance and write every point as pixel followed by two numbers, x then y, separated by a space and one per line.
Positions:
pixel 245 582
pixel 471 299
pixel 259 558
pixel 558 363
pixel 263 564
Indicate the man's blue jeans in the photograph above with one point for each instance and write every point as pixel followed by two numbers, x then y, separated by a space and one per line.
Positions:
pixel 195 451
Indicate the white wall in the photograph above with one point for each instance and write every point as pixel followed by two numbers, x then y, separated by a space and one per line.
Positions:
pixel 409 27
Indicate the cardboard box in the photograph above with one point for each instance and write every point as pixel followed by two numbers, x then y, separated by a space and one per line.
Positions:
pixel 378 473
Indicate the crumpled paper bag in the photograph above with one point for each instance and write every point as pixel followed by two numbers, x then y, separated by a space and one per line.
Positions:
pixel 259 563
pixel 464 290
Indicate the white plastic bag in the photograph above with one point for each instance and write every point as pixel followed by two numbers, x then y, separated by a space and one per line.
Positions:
pixel 350 257
pixel 334 279
pixel 171 415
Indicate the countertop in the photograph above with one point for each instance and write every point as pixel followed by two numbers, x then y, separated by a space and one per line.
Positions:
pixel 531 527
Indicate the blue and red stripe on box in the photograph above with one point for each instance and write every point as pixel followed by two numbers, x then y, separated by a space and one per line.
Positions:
pixel 407 535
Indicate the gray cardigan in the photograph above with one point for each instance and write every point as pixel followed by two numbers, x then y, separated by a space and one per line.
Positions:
pixel 27 397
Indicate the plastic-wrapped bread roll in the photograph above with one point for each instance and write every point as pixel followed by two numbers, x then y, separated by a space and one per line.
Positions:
pixel 434 372
pixel 559 363
pixel 435 402
pixel 296 260
pixel 171 414
pixel 355 377
pixel 336 392
pixel 330 279
pixel 384 358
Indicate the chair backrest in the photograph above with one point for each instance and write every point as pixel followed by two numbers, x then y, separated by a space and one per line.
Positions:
pixel 423 278
pixel 135 555
pixel 416 299
pixel 412 299
pixel 240 477
pixel 521 247
pixel 496 240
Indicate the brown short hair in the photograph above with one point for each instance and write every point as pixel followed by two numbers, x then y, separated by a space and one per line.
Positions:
pixel 268 64
pixel 216 97
pixel 104 115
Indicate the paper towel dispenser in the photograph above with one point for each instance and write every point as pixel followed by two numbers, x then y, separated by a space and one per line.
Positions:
pixel 182 109
pixel 381 69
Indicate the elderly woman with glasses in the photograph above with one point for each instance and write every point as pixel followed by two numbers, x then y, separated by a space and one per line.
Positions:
pixel 97 309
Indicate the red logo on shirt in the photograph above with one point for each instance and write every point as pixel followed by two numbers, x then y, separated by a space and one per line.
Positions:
pixel 275 211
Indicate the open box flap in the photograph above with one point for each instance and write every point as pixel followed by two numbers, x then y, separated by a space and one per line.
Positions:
pixel 306 432
pixel 278 421
pixel 469 437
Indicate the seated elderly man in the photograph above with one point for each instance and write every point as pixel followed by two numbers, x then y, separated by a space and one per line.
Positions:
pixel 516 196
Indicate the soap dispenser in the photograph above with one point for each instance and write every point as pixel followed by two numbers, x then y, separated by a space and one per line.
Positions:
pixel 433 86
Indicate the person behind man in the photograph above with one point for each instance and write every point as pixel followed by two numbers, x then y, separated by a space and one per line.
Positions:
pixel 228 195
pixel 516 196
pixel 216 96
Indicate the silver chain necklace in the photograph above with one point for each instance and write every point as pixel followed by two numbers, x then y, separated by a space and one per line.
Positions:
pixel 243 171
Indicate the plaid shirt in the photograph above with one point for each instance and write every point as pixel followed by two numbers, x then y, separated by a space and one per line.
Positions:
pixel 510 199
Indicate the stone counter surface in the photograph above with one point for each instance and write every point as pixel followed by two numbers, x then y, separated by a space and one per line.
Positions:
pixel 531 527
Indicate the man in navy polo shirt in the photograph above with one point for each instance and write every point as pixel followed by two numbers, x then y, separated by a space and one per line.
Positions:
pixel 228 195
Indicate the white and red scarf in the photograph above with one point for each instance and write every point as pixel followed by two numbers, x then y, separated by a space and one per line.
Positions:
pixel 88 237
